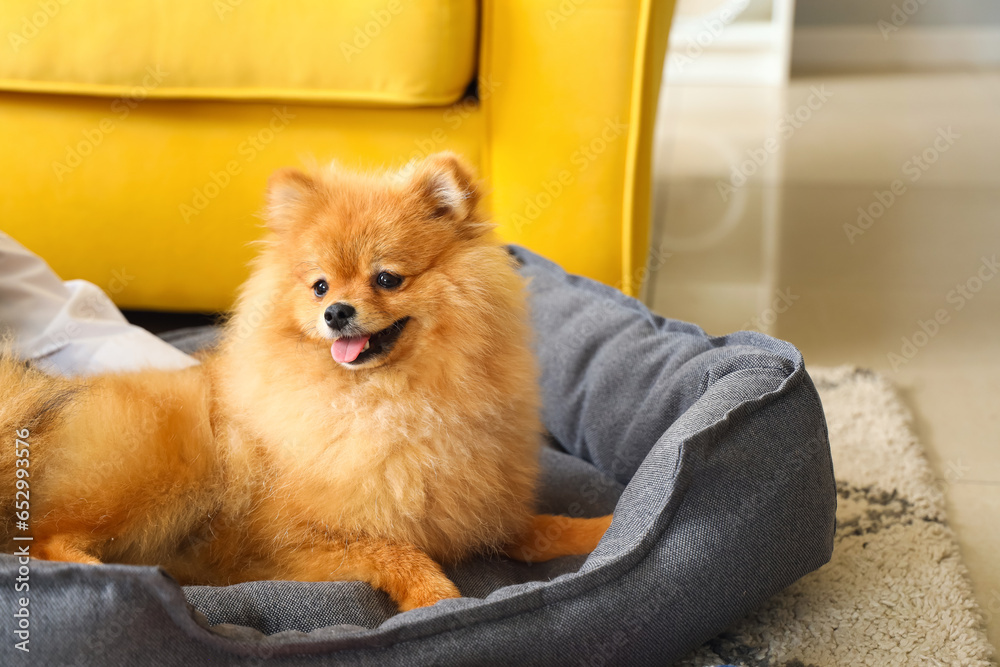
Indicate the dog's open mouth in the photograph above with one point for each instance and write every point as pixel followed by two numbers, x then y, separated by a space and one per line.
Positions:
pixel 359 349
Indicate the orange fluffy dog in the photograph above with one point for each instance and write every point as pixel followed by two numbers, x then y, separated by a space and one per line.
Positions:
pixel 371 413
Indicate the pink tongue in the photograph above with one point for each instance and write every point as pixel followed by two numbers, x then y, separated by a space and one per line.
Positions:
pixel 346 350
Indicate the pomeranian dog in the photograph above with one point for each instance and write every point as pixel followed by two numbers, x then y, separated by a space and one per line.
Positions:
pixel 371 413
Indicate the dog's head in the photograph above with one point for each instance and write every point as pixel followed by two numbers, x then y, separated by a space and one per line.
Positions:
pixel 369 260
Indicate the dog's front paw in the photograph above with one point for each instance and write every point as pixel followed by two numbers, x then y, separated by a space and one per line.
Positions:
pixel 426 593
pixel 64 548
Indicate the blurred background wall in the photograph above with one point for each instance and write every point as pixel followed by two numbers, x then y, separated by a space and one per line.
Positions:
pixel 762 178
pixel 863 12
pixel 870 35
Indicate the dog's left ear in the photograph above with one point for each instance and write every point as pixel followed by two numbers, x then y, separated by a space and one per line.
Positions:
pixel 287 190
pixel 446 188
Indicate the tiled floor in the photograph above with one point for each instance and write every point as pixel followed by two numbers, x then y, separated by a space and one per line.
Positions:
pixel 907 285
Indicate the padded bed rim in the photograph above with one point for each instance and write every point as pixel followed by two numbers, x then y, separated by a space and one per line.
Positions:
pixel 534 596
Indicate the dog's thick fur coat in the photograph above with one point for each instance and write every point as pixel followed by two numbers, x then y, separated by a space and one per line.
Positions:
pixel 272 460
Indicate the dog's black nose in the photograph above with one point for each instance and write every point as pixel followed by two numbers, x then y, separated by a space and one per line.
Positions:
pixel 338 315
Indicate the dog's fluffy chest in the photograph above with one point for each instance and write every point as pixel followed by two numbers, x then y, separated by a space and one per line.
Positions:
pixel 389 467
pixel 441 462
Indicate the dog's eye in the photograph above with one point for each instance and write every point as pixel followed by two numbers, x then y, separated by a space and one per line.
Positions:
pixel 388 280
pixel 320 288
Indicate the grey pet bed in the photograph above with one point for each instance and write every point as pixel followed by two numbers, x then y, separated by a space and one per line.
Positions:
pixel 712 453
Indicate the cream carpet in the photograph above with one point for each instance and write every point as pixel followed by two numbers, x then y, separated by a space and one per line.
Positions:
pixel 896 591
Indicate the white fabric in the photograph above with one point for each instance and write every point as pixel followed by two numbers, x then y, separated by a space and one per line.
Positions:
pixel 71 328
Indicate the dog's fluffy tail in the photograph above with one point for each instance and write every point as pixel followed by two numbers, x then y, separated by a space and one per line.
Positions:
pixel 32 405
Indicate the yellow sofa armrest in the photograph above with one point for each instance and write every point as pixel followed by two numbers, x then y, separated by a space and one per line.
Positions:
pixel 569 90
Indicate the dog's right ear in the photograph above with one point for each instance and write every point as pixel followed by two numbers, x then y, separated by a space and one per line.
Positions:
pixel 287 189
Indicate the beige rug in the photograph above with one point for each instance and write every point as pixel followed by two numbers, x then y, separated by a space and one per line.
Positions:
pixel 896 591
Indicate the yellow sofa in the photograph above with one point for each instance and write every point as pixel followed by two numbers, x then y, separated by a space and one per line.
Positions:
pixel 138 136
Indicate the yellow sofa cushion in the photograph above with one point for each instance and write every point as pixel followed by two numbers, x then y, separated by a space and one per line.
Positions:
pixel 158 207
pixel 368 52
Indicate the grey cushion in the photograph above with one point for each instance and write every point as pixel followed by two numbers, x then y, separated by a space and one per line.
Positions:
pixel 712 452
